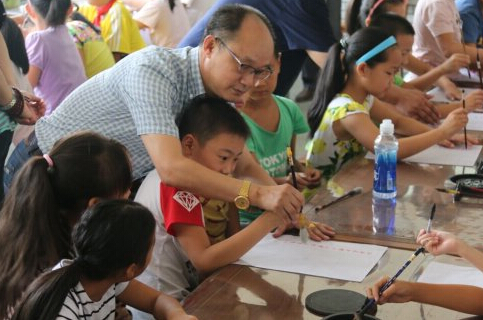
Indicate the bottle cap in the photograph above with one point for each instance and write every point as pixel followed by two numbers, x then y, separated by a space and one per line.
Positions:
pixel 386 127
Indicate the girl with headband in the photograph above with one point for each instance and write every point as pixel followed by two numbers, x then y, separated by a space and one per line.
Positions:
pixel 345 107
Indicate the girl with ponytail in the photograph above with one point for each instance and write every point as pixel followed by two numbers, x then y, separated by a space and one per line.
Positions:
pixel 113 243
pixel 56 68
pixel 343 112
pixel 47 198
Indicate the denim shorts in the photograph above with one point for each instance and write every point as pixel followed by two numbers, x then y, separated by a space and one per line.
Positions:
pixel 22 152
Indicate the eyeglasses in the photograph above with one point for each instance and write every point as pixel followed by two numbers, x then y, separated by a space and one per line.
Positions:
pixel 245 69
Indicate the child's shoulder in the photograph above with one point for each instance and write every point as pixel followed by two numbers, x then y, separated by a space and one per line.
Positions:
pixel 285 102
pixel 343 100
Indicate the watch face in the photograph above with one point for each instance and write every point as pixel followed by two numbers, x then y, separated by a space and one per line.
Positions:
pixel 242 202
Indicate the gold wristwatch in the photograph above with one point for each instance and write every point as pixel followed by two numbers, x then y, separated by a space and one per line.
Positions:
pixel 242 201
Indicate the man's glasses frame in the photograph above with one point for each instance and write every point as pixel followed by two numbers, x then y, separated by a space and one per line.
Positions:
pixel 246 69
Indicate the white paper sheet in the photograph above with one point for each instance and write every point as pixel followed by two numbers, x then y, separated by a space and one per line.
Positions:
pixel 330 259
pixel 457 156
pixel 475 121
pixel 439 96
pixel 444 273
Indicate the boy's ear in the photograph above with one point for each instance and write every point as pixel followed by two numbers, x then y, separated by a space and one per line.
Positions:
pixel 187 144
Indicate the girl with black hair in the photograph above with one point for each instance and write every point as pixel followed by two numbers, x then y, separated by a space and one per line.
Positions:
pixel 113 243
pixel 56 68
pixel 47 198
pixel 342 113
pixel 403 31
pixel 414 103
pixel 359 13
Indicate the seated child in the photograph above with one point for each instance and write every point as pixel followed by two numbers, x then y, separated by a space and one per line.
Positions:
pixel 462 298
pixel 93 50
pixel 408 101
pixel 342 113
pixel 113 243
pixel 212 133
pixel 117 26
pixel 403 31
pixel 439 32
pixel 274 123
pixel 56 68
pixel 47 198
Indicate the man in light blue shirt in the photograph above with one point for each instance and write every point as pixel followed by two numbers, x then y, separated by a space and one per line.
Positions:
pixel 136 101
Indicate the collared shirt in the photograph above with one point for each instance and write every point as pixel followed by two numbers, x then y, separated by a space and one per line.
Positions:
pixel 141 94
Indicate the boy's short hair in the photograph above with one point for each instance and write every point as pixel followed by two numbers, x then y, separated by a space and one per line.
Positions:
pixel 205 117
pixel 393 24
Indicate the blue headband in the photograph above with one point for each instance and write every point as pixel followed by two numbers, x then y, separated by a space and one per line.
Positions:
pixel 376 50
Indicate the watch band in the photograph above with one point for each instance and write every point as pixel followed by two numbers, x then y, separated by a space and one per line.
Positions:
pixel 245 188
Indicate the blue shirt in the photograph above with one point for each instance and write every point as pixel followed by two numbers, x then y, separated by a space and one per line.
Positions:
pixel 298 24
pixel 141 94
pixel 472 18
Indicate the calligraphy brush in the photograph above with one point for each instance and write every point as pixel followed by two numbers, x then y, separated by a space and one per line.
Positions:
pixel 464 50
pixel 359 314
pixel 303 221
pixel 478 66
pixel 353 192
pixel 464 129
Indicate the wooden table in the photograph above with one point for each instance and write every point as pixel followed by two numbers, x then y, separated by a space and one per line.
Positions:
pixel 240 292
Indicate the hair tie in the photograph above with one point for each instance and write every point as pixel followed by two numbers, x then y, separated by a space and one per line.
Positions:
pixel 373 8
pixel 343 44
pixel 49 161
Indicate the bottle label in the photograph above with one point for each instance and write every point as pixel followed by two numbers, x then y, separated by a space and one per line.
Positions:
pixel 385 174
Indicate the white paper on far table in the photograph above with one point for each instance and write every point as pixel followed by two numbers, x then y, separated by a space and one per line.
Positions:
pixel 475 121
pixel 457 156
pixel 445 273
pixel 330 259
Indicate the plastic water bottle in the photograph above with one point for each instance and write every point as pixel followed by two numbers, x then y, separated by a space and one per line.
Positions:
pixel 383 215
pixel 385 149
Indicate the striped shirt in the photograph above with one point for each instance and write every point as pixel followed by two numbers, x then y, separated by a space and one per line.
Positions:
pixel 78 305
pixel 141 94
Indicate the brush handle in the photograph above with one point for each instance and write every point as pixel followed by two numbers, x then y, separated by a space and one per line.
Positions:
pixel 464 129
pixel 345 196
pixel 369 303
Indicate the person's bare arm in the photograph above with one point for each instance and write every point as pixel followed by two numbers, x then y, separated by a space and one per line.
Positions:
pixel 449 45
pixel 318 57
pixel 451 65
pixel 135 5
pixel 461 298
pixel 183 173
pixel 160 305
pixel 413 103
pixel 206 257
